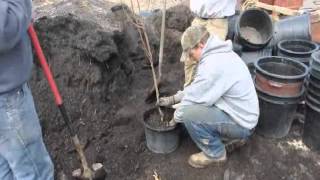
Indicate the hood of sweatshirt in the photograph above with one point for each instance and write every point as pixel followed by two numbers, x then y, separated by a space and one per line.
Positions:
pixel 215 45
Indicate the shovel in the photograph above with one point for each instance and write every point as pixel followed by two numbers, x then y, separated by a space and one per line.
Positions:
pixel 87 172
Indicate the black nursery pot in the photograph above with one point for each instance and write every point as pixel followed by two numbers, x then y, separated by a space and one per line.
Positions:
pixel 161 138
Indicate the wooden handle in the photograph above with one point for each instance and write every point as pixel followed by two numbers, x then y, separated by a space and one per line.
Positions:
pixel 278 9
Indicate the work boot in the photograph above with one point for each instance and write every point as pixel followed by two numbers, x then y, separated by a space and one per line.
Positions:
pixel 234 144
pixel 200 160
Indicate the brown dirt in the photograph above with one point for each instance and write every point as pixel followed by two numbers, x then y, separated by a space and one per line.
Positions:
pixel 104 88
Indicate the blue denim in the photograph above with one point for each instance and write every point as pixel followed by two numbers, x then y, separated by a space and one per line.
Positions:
pixel 23 155
pixel 207 127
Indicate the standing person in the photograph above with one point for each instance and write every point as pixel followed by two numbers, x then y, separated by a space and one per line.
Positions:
pixel 212 14
pixel 221 103
pixel 23 155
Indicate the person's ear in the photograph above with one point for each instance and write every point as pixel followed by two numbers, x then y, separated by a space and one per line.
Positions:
pixel 201 45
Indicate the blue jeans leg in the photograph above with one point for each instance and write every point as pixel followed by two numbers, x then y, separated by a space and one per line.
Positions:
pixel 5 171
pixel 208 125
pixel 22 151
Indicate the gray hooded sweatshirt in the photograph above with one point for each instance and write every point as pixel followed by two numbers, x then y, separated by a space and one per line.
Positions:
pixel 15 47
pixel 223 80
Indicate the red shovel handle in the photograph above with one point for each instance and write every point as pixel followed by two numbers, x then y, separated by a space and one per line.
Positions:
pixel 44 64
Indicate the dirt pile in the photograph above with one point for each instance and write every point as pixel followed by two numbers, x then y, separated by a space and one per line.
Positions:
pixel 103 80
pixel 97 11
pixel 178 18
pixel 92 75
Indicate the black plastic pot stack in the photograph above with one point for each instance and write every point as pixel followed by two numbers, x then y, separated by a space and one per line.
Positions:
pixel 290 28
pixel 279 84
pixel 311 134
pixel 295 27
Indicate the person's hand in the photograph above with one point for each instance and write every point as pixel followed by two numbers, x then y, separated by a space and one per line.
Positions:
pixel 166 101
pixel 172 122
pixel 176 106
pixel 171 100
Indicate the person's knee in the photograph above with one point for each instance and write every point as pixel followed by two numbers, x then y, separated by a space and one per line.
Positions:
pixel 191 113
pixel 196 113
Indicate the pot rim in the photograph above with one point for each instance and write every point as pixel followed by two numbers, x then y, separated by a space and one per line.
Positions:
pixel 287 51
pixel 313 107
pixel 316 55
pixel 145 116
pixel 301 76
pixel 313 82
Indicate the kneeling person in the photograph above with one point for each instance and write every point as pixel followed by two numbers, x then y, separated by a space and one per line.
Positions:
pixel 221 103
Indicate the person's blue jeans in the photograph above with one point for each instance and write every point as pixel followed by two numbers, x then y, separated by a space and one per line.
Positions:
pixel 207 126
pixel 23 155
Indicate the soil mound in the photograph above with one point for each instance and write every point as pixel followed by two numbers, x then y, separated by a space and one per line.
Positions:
pixel 102 77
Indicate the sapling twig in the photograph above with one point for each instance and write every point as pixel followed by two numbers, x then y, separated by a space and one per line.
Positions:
pixel 163 26
pixel 147 50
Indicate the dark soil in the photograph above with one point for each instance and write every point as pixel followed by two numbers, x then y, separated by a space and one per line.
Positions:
pixel 178 18
pixel 104 88
pixel 153 119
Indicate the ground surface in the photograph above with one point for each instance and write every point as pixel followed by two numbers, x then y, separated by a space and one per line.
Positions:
pixel 100 70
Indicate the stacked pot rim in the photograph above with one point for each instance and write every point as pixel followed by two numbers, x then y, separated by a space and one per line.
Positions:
pixel 280 76
pixel 313 87
pixel 297 49
pixel 311 135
